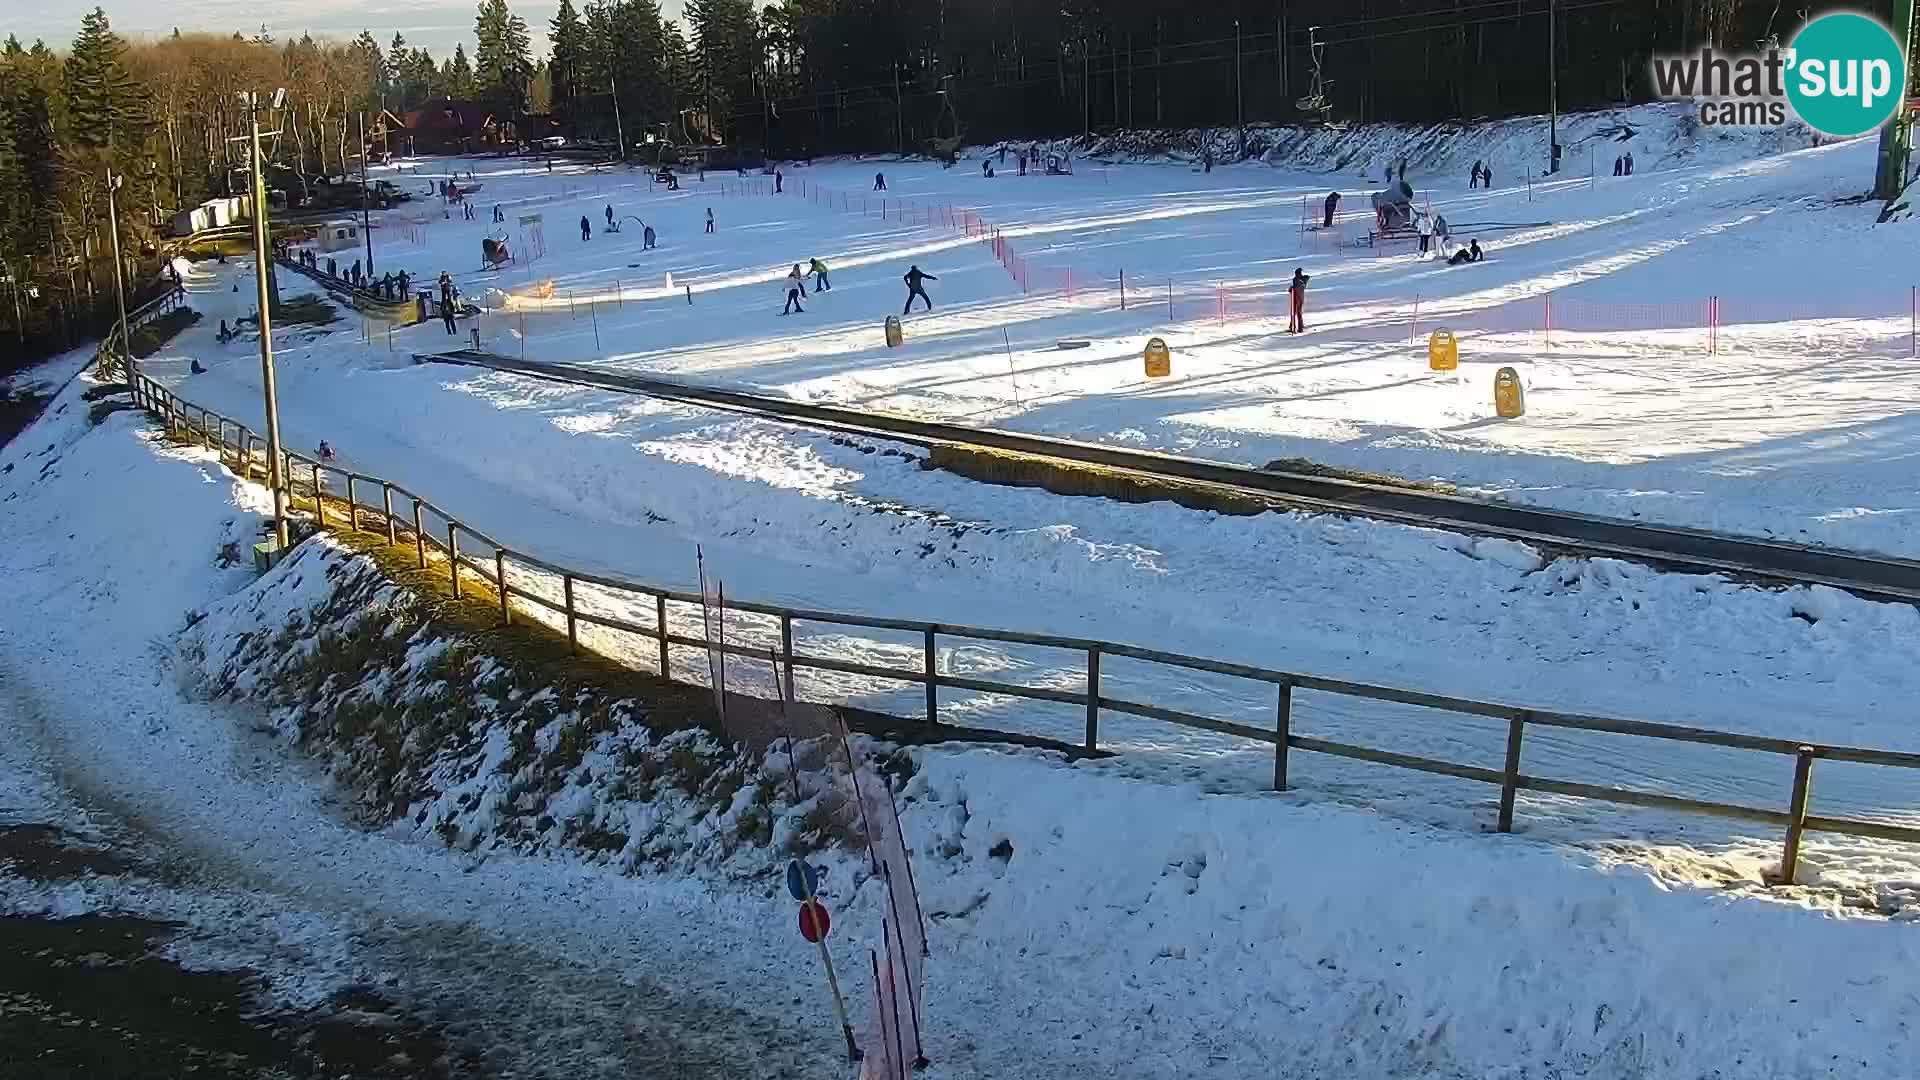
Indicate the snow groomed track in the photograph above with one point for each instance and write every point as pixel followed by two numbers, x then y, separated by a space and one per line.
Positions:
pixel 1868 576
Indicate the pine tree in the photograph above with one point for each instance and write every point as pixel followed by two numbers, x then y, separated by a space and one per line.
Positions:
pixel 458 75
pixel 15 185
pixel 568 38
pixel 503 62
pixel 371 66
pixel 725 56
pixel 103 101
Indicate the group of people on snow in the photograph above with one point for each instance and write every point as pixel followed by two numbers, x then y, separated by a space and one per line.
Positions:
pixel 1482 176
pixel 1623 165
pixel 794 286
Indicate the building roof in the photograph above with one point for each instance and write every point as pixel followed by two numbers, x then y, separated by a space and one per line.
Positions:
pixel 463 116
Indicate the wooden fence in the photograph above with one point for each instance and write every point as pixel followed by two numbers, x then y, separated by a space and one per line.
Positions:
pixel 437 535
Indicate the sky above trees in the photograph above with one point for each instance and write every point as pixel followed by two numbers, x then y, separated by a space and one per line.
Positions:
pixel 435 25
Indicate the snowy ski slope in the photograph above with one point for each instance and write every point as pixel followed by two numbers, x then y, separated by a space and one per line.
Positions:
pixel 1760 436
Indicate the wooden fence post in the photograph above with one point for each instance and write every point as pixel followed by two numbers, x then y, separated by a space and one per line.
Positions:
pixel 933 684
pixel 419 535
pixel 1093 699
pixel 1796 815
pixel 453 557
pixel 660 623
pixel 500 570
pixel 1282 732
pixel 573 623
pixel 786 649
pixel 1510 776
pixel 353 507
pixel 386 506
pixel 319 504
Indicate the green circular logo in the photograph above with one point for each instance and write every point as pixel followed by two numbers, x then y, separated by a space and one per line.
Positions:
pixel 1847 75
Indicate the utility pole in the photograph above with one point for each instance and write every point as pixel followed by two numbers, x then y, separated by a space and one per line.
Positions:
pixel 1896 139
pixel 1239 91
pixel 1280 55
pixel 366 218
pixel 1553 91
pixel 119 279
pixel 263 264
pixel 899 112
pixel 619 129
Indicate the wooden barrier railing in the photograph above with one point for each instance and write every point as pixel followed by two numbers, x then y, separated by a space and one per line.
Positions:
pixel 244 451
pixel 103 353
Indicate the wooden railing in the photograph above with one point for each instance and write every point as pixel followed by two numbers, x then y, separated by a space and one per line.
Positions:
pixel 404 310
pixel 437 534
pixel 171 298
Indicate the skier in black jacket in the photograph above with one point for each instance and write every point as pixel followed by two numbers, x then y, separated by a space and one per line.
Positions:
pixel 913 277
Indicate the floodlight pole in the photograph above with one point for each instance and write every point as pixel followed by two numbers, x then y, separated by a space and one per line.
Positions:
pixel 1896 139
pixel 262 259
pixel 366 216
pixel 119 279
pixel 1553 91
pixel 619 129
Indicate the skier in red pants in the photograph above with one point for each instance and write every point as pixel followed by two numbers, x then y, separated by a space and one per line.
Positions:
pixel 1297 293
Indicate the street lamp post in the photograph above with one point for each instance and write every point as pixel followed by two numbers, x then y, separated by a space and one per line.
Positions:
pixel 262 260
pixel 1553 91
pixel 619 128
pixel 366 217
pixel 119 278
pixel 1239 91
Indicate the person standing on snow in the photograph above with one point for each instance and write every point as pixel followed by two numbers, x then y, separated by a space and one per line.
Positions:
pixel 1424 224
pixel 1441 233
pixel 609 215
pixel 794 289
pixel 879 181
pixel 709 220
pixel 586 229
pixel 1297 302
pixel 446 301
pixel 1333 204
pixel 819 271
pixel 914 278
pixel 1629 171
pixel 779 181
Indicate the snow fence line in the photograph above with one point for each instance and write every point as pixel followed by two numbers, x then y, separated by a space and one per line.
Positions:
pixel 1226 302
pixel 340 498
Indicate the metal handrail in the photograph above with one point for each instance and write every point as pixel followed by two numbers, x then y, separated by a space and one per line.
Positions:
pixel 211 429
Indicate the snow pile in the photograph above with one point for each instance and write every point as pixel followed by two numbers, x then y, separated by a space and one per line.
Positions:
pixel 1239 932
pixel 425 726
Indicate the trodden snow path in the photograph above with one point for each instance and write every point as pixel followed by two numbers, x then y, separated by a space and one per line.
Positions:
pixel 1081 922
